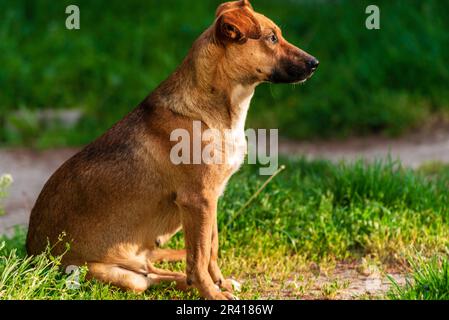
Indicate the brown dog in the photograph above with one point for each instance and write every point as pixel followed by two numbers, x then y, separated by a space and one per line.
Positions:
pixel 121 197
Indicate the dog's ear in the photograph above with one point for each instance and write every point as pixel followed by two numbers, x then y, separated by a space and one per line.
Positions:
pixel 246 3
pixel 232 5
pixel 237 25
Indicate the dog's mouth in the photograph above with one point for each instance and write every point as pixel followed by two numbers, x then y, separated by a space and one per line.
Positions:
pixel 290 77
pixel 294 73
pixel 304 80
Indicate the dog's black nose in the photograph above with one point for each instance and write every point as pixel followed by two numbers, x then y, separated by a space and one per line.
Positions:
pixel 313 64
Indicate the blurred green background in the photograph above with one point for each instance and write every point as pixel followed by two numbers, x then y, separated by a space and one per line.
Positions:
pixel 386 82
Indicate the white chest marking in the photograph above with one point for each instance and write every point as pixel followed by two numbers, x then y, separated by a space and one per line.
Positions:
pixel 240 100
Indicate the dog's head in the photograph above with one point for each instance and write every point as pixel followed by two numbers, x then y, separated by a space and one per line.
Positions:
pixel 255 44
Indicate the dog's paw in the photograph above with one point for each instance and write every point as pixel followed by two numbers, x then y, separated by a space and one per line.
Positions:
pixel 221 295
pixel 237 286
pixel 231 285
pixel 230 296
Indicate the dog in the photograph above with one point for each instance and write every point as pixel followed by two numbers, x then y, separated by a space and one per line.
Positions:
pixel 121 198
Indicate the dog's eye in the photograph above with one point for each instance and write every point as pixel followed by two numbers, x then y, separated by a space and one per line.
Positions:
pixel 273 38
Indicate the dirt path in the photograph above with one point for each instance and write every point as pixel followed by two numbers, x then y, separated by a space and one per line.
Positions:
pixel 421 147
pixel 346 282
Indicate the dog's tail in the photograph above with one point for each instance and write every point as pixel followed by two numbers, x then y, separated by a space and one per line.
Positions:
pixel 168 255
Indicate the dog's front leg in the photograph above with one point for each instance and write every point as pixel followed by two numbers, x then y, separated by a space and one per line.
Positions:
pixel 198 216
pixel 214 270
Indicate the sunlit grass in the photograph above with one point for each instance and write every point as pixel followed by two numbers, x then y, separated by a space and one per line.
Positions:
pixel 429 280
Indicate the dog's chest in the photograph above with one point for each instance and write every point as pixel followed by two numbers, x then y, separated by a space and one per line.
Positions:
pixel 236 139
pixel 236 150
pixel 233 145
pixel 234 156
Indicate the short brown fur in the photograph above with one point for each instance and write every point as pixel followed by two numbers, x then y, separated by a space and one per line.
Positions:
pixel 121 197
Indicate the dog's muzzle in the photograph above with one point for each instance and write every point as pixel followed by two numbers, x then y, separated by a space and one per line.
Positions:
pixel 294 70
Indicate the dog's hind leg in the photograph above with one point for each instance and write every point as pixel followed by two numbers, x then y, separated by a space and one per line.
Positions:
pixel 118 276
pixel 157 275
pixel 130 280
pixel 180 279
pixel 168 255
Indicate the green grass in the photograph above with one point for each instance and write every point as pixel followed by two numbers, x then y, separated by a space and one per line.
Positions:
pixel 429 281
pixel 385 81
pixel 40 277
pixel 313 213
